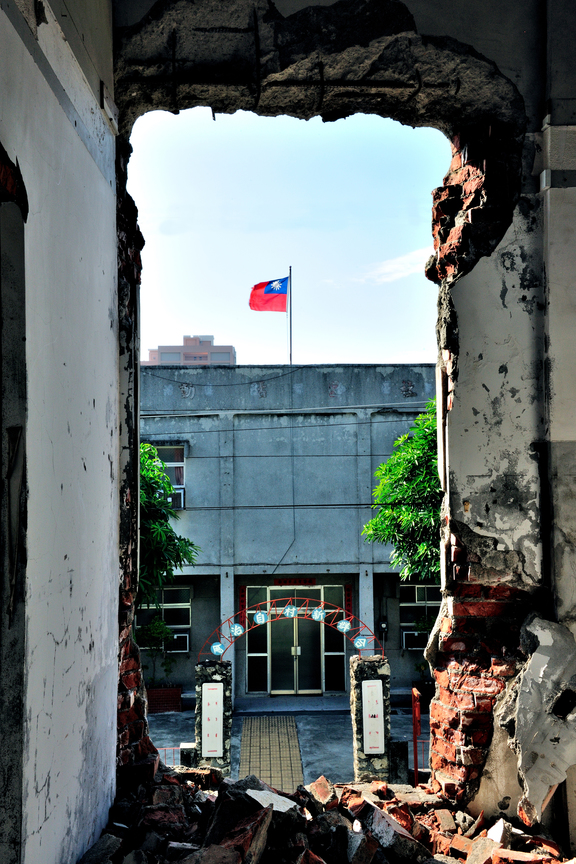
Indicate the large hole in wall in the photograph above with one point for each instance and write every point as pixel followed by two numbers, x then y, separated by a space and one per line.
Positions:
pixel 225 204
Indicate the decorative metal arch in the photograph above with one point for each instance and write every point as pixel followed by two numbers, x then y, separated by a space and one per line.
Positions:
pixel 303 608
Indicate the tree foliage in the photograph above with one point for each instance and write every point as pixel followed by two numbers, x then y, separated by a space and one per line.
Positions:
pixel 408 498
pixel 162 550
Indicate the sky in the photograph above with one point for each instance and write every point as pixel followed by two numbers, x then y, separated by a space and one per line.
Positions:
pixel 226 203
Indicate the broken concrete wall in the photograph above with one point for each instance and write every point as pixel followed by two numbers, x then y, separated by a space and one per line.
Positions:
pixel 478 74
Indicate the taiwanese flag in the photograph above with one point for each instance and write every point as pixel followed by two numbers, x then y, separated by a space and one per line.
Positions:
pixel 270 296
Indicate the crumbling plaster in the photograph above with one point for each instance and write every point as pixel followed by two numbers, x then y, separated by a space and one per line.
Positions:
pixel 496 424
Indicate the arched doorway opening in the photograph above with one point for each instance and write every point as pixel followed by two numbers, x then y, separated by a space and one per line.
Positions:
pixel 356 57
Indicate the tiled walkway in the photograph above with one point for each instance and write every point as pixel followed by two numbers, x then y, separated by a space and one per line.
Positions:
pixel 270 750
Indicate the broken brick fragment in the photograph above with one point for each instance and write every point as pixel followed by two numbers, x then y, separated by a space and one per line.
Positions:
pixel 353 802
pixel 379 788
pixel 401 813
pixel 441 843
pixel 446 820
pixel 546 845
pixel 421 832
pixel 481 851
pixel 213 855
pixel 460 846
pixel 513 856
pixel 363 849
pixel 323 793
pixel 163 816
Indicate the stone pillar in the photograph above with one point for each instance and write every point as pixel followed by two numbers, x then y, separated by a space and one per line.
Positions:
pixel 373 766
pixel 215 672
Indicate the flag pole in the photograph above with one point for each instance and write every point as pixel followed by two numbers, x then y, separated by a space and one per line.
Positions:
pixel 290 294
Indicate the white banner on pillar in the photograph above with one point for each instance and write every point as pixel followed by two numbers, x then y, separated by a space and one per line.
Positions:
pixel 373 717
pixel 212 720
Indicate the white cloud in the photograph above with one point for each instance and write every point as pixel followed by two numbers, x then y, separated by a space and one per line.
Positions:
pixel 397 268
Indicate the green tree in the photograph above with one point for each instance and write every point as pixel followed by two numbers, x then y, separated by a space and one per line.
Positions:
pixel 162 550
pixel 409 498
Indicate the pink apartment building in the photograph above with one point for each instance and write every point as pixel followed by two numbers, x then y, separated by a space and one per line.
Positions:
pixel 195 351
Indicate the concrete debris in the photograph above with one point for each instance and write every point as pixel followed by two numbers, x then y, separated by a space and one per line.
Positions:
pixel 171 819
pixel 539 714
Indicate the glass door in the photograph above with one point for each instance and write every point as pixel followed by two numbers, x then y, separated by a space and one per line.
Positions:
pixel 295 647
pixel 294 654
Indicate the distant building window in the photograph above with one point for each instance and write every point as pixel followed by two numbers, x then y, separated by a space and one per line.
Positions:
pixel 196 358
pixel 173 458
pixel 170 357
pixel 175 611
pixel 220 357
pixel 419 605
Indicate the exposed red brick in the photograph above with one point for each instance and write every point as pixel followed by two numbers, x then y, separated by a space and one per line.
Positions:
pixel 455 736
pixel 504 592
pixel 471 756
pixel 445 748
pixel 132 680
pixel 136 731
pixel 479 685
pixel 442 677
pixel 129 665
pixel 481 609
pixel 457 773
pixel 443 714
pixel 462 701
pixel 503 669
pixel 145 747
pixel 468 591
pixel 124 756
pixel 401 813
pixel 448 644
pixel 446 625
pixel 469 720
pixel 467 666
pixel 484 703
pixel 125 717
pixel 480 736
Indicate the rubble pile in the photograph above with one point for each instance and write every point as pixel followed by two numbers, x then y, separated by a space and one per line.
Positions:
pixel 195 816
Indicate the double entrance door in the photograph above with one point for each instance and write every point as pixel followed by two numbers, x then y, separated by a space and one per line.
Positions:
pixel 303 656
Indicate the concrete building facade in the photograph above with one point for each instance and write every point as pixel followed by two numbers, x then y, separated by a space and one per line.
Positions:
pixel 277 475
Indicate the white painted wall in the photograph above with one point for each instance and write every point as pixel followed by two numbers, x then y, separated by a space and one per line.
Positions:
pixel 51 123
pixel 498 418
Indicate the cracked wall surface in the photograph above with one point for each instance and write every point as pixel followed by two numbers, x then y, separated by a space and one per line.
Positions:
pixel 60 413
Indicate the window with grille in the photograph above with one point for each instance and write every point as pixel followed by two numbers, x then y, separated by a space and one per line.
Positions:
pixel 173 458
pixel 419 605
pixel 175 611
